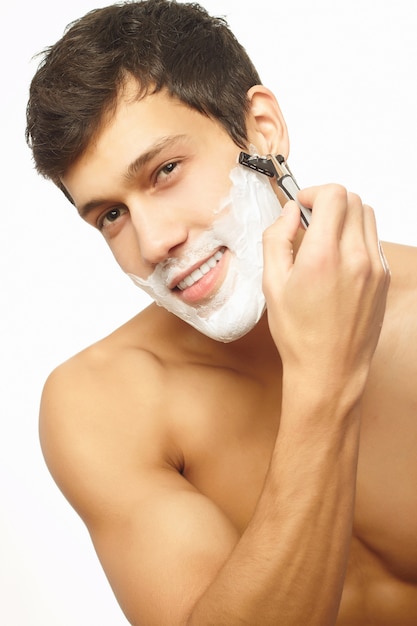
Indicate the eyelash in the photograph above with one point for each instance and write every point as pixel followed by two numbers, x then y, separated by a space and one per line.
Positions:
pixel 120 211
pixel 168 175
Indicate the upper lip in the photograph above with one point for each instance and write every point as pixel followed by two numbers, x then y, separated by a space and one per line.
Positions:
pixel 180 277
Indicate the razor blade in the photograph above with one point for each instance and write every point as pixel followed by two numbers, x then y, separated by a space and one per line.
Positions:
pixel 276 167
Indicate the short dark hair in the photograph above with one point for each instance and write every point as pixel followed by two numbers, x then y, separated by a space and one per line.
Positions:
pixel 164 45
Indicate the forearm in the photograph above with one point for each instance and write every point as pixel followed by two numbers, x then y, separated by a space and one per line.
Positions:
pixel 326 304
pixel 290 563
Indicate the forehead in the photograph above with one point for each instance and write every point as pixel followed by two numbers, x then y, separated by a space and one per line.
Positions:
pixel 146 115
pixel 135 127
pixel 150 115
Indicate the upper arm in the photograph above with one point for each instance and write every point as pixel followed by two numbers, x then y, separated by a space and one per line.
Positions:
pixel 162 551
pixel 160 541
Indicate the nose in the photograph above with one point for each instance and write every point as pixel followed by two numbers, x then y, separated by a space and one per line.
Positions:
pixel 159 232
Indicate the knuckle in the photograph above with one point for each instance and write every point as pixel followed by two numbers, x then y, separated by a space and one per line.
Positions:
pixel 354 199
pixel 323 258
pixel 369 210
pixel 360 263
pixel 338 191
pixel 366 269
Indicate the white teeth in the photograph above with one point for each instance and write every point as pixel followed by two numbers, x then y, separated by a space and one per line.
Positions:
pixel 201 271
pixel 196 275
pixel 205 268
pixel 188 281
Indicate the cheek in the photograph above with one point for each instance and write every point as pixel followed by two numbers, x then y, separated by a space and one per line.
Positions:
pixel 125 249
pixel 205 196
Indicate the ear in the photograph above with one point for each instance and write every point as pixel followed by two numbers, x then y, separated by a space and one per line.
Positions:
pixel 265 123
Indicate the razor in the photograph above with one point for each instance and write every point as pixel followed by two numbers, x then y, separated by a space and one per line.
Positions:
pixel 276 167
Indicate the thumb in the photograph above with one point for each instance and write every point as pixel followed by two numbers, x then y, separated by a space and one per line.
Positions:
pixel 278 245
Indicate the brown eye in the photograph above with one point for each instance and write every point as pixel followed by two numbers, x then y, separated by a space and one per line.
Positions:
pixel 166 170
pixel 111 217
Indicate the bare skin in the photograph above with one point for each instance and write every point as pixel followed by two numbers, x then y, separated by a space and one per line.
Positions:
pixel 266 481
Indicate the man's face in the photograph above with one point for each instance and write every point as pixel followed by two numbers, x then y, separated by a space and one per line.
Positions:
pixel 155 182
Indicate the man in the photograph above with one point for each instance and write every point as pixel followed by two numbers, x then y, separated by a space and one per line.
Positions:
pixel 233 466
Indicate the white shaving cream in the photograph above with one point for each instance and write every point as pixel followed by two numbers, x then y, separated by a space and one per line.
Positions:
pixel 238 304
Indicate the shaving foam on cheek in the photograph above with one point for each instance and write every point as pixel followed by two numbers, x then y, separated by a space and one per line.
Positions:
pixel 238 223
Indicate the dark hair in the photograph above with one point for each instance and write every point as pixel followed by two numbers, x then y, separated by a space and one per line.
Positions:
pixel 163 44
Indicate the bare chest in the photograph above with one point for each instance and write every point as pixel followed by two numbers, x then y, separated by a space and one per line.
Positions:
pixel 227 451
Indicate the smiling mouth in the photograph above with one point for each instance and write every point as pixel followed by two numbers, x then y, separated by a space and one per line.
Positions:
pixel 201 271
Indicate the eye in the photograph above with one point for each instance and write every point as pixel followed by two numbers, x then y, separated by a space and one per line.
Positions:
pixel 166 171
pixel 110 217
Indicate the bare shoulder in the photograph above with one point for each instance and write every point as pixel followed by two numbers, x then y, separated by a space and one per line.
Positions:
pixel 100 411
pixel 387 470
pixel 399 333
pixel 402 260
pixel 107 437
pixel 401 316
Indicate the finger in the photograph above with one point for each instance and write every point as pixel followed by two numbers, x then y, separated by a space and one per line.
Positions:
pixel 329 205
pixel 278 245
pixel 353 234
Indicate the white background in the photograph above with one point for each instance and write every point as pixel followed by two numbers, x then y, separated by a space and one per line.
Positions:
pixel 345 75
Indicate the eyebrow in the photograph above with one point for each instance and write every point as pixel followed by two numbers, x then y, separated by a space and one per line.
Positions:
pixel 133 168
pixel 151 153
